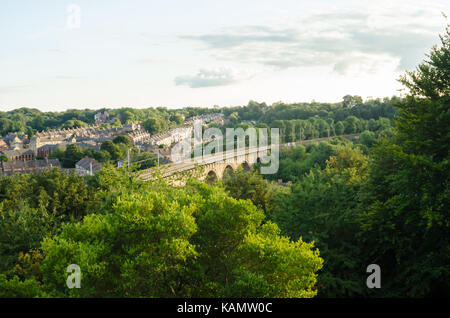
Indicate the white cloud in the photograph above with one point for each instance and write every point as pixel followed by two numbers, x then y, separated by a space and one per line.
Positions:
pixel 212 77
pixel 330 38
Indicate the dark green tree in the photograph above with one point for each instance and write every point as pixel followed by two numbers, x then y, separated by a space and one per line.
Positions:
pixel 122 139
pixel 3 158
pixel 155 125
pixel 71 156
pixel 113 150
pixel 406 200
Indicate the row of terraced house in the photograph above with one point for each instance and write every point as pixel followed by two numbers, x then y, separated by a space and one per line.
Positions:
pixel 19 148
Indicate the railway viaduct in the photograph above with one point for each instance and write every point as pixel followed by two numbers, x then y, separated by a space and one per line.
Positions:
pixel 215 166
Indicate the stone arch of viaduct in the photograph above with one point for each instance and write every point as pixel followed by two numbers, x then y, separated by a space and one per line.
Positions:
pixel 214 166
pixel 216 170
pixel 209 169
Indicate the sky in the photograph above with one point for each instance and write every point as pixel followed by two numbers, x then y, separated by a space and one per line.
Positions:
pixel 57 54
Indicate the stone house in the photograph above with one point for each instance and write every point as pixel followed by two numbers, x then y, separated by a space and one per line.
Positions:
pixel 19 154
pixel 31 166
pixel 3 145
pixel 87 166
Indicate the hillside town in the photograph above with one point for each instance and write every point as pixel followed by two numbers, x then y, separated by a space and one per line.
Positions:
pixel 31 155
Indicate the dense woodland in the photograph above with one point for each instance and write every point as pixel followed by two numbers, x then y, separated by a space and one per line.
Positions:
pixel 382 198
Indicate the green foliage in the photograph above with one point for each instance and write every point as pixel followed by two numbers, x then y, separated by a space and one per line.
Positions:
pixel 116 123
pixel 74 153
pixel 351 125
pixel 155 125
pixel 15 288
pixel 296 161
pixel 250 185
pixel 234 117
pixel 29 265
pixel 405 216
pixel 350 101
pixel 177 118
pixel 339 128
pixel 144 160
pixel 21 229
pixel 153 240
pixel 74 124
pixel 432 77
pixel 101 156
pixel 71 156
pixel 367 138
pixel 138 248
pixel 405 220
pixel 34 206
pixel 321 208
pixel 59 193
pixel 230 235
pixel 158 119
pixel 122 139
pixel 113 149
pixel 274 266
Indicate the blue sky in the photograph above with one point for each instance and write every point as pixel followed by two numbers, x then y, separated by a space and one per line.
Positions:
pixel 202 53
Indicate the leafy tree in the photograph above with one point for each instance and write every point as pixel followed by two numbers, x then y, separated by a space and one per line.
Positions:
pixel 286 272
pixel 15 288
pixel 102 156
pixel 58 153
pixel 405 202
pixel 72 155
pixel 21 229
pixel 29 265
pixel 59 193
pixel 177 118
pixel 234 117
pixel 289 131
pixel 351 125
pixel 113 150
pixel 320 154
pixel 367 138
pixel 350 101
pixel 340 128
pixel 146 230
pixel 226 228
pixel 122 139
pixel 250 185
pixel 144 160
pixel 373 126
pixel 154 240
pixel 5 126
pixel 38 123
pixel 74 124
pixel 384 123
pixel 322 208
pixel 155 125
pixel 34 206
pixel 116 123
